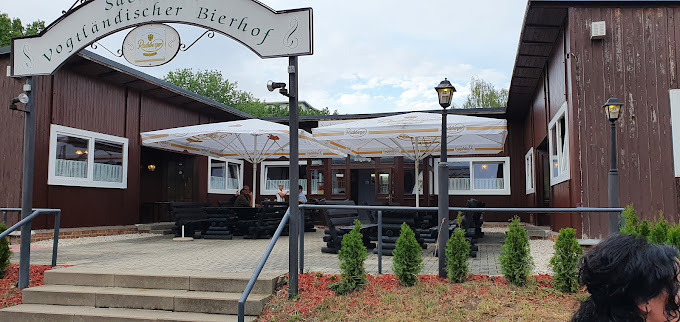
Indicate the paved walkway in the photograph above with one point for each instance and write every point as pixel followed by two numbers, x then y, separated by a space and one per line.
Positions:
pixel 161 253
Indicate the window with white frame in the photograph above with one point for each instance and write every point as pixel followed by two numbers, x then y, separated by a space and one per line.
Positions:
pixel 529 171
pixel 275 173
pixel 558 143
pixel 87 159
pixel 675 127
pixel 226 176
pixel 476 176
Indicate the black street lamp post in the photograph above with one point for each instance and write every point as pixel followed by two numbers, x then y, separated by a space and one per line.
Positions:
pixel 613 110
pixel 445 92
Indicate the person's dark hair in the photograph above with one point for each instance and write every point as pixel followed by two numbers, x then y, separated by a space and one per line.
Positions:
pixel 300 187
pixel 624 271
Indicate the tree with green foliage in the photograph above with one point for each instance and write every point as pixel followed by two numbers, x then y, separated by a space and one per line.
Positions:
pixel 352 255
pixel 673 237
pixel 631 222
pixel 645 229
pixel 659 232
pixel 457 253
pixel 11 28
pixel 515 258
pixel 5 252
pixel 213 85
pixel 406 262
pixel 565 261
pixel 483 94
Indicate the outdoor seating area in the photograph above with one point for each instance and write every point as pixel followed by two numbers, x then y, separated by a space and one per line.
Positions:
pixel 202 220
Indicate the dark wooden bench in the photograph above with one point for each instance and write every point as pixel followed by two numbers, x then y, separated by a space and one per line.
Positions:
pixel 191 215
pixel 341 222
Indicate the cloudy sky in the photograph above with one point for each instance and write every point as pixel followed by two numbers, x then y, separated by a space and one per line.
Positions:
pixel 369 56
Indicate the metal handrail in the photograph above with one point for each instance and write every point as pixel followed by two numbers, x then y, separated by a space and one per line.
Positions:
pixel 260 266
pixel 24 254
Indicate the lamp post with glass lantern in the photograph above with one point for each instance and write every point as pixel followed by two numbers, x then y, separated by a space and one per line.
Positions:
pixel 445 93
pixel 612 109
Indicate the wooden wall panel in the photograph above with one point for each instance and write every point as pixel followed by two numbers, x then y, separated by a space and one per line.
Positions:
pixel 87 103
pixel 157 115
pixel 556 78
pixel 636 62
pixel 539 115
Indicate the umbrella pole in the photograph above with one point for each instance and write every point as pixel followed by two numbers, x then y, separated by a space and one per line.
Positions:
pixel 417 185
pixel 254 183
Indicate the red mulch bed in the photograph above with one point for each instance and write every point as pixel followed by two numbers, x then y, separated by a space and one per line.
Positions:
pixel 10 294
pixel 316 297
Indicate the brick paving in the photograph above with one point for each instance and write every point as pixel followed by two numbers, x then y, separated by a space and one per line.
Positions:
pixel 161 253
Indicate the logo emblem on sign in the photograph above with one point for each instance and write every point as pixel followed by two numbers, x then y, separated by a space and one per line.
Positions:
pixel 151 45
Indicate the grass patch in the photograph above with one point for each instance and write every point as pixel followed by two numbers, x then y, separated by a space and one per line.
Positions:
pixel 481 298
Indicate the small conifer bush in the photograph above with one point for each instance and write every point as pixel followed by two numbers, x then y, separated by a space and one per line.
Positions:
pixel 515 258
pixel 659 233
pixel 352 255
pixel 673 237
pixel 5 252
pixel 644 229
pixel 565 261
pixel 457 253
pixel 631 222
pixel 406 262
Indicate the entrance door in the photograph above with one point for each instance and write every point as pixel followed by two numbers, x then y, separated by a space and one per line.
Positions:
pixel 363 186
pixel 180 179
pixel 542 185
pixel 384 189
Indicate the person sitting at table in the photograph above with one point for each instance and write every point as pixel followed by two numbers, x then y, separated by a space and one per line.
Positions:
pixel 245 198
pixel 281 195
pixel 301 196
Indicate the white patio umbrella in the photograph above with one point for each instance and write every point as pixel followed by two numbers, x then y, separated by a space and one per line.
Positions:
pixel 416 136
pixel 253 140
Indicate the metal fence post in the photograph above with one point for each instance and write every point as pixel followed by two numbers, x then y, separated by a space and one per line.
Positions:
pixel 301 253
pixel 55 245
pixel 380 232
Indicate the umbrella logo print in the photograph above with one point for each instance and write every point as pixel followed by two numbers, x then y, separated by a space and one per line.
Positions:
pixel 464 148
pixel 314 153
pixel 390 151
pixel 455 128
pixel 356 133
pixel 273 137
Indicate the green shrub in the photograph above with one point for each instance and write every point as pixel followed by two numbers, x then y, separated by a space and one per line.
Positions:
pixel 644 229
pixel 5 252
pixel 565 261
pixel 659 233
pixel 515 258
pixel 673 237
pixel 631 222
pixel 352 255
pixel 406 262
pixel 457 253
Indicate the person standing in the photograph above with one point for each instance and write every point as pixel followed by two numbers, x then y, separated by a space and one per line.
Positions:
pixel 281 195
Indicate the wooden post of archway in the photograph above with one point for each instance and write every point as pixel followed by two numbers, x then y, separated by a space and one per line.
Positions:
pixel 268 33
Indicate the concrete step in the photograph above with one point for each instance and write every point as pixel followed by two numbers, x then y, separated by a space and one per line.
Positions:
pixel 144 298
pixel 58 313
pixel 193 281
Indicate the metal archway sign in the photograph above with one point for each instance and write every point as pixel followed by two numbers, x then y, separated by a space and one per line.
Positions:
pixel 266 32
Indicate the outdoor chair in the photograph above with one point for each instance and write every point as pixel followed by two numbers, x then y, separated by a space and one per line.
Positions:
pixel 341 222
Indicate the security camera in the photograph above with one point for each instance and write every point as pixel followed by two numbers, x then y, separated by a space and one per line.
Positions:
pixel 271 86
